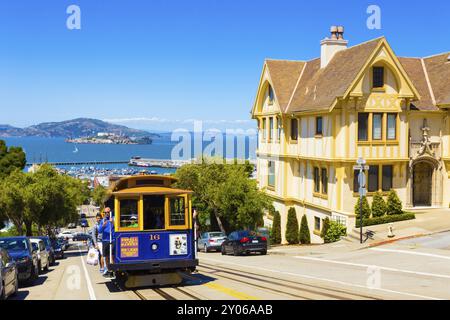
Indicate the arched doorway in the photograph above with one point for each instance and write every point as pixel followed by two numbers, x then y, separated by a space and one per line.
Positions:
pixel 422 184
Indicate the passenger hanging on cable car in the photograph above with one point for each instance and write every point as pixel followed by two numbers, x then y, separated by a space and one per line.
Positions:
pixel 107 230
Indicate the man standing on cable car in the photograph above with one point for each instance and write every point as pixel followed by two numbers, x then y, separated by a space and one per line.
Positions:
pixel 107 229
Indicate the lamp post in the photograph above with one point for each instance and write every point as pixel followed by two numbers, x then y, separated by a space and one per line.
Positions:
pixel 361 166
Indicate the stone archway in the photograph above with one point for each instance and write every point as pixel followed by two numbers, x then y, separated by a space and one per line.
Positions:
pixel 422 184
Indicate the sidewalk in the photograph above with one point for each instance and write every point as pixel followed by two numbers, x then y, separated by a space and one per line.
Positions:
pixel 427 222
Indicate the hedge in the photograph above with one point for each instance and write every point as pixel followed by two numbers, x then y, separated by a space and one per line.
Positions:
pixel 304 235
pixel 386 219
pixel 275 234
pixel 292 227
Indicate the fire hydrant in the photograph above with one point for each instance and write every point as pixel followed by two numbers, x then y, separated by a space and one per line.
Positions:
pixel 391 230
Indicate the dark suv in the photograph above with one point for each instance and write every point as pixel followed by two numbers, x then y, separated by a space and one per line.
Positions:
pixel 20 249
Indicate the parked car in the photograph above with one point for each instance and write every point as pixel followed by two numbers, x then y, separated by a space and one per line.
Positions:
pixel 72 225
pixel 211 241
pixel 21 250
pixel 49 247
pixel 9 275
pixel 63 242
pixel 58 250
pixel 81 237
pixel 43 255
pixel 84 223
pixel 66 235
pixel 244 242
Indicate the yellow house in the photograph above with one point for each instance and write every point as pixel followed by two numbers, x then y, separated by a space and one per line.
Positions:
pixel 316 118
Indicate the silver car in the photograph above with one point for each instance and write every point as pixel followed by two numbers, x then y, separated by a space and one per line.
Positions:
pixel 211 241
pixel 9 282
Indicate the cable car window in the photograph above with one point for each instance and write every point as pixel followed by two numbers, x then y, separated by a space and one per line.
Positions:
pixel 129 213
pixel 177 211
pixel 149 182
pixel 154 212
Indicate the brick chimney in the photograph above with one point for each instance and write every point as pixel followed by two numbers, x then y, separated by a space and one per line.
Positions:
pixel 329 47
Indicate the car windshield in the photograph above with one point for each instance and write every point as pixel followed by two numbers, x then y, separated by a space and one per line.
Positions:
pixel 13 244
pixel 216 234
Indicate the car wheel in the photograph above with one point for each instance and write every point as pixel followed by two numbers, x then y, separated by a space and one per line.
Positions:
pixel 39 268
pixel 205 249
pixel 235 251
pixel 222 250
pixel 264 252
pixel 47 267
pixel 2 294
pixel 52 261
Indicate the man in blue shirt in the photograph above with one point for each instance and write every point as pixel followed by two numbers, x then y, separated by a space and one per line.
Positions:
pixel 106 228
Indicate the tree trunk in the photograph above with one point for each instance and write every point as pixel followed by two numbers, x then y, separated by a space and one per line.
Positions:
pixel 219 222
pixel 29 227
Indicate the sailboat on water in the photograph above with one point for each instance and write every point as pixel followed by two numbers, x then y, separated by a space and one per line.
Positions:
pixel 76 149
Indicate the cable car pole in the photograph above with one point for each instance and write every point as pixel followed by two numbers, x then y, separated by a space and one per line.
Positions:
pixel 361 166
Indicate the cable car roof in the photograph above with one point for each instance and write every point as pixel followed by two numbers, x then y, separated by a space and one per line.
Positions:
pixel 150 191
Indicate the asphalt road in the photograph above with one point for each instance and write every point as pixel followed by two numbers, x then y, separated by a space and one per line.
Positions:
pixel 412 269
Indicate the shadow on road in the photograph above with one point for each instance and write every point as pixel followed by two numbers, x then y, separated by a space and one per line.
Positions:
pixel 21 295
pixel 36 282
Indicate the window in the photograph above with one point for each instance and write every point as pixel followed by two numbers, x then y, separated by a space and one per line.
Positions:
pixel 154 212
pixel 129 213
pixel 264 129
pixel 270 94
pixel 294 129
pixel 377 127
pixel 177 209
pixel 378 77
pixel 363 128
pixel 279 126
pixel 355 181
pixel 387 178
pixel 319 128
pixel 391 126
pixel 316 180
pixel 317 223
pixel 271 177
pixel 324 177
pixel 373 179
pixel 271 129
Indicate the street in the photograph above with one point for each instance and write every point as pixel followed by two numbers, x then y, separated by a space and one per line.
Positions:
pixel 409 269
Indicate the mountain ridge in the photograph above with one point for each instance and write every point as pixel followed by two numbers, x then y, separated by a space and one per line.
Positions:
pixel 74 128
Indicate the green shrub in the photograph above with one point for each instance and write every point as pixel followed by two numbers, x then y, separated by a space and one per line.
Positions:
pixel 305 237
pixel 394 205
pixel 335 232
pixel 378 205
pixel 386 219
pixel 292 227
pixel 325 227
pixel 275 234
pixel 365 208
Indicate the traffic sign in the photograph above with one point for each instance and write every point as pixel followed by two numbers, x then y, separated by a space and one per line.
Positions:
pixel 358 167
pixel 361 161
pixel 362 179
pixel 362 192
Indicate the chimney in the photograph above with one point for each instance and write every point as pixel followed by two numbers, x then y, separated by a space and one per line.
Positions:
pixel 329 47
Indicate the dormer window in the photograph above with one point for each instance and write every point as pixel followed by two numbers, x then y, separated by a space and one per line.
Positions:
pixel 270 94
pixel 378 77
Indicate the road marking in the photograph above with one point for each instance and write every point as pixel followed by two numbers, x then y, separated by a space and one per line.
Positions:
pixel 230 292
pixel 435 275
pixel 413 253
pixel 88 279
pixel 328 280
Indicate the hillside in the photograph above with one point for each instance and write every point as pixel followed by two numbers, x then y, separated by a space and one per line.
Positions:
pixel 76 128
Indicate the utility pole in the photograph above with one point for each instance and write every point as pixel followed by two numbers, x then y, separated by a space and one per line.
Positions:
pixel 361 166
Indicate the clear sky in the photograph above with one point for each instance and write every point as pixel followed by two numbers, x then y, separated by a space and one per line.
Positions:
pixel 163 62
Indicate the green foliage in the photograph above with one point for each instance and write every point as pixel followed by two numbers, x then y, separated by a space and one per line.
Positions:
pixel 225 192
pixel 99 196
pixel 378 205
pixel 11 158
pixel 394 205
pixel 42 200
pixel 334 232
pixel 386 219
pixel 365 208
pixel 325 227
pixel 292 227
pixel 275 234
pixel 305 236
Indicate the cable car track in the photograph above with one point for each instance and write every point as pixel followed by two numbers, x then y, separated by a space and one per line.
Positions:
pixel 299 286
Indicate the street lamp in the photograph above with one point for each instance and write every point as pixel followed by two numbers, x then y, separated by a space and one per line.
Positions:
pixel 361 166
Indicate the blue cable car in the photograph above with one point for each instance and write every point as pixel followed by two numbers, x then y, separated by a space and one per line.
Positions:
pixel 154 236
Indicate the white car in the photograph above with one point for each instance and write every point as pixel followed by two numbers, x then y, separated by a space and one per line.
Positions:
pixel 66 235
pixel 42 253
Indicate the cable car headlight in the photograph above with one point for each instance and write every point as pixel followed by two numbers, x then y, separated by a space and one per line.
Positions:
pixel 155 246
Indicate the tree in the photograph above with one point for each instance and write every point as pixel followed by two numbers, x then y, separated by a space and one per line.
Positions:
pixel 10 159
pixel 305 236
pixel 275 234
pixel 12 202
pixel 99 195
pixel 378 205
pixel 292 227
pixel 325 227
pixel 365 208
pixel 394 205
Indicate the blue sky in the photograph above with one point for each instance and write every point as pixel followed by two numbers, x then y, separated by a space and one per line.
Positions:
pixel 164 62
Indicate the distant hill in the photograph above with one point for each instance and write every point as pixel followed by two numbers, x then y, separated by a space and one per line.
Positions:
pixel 76 128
